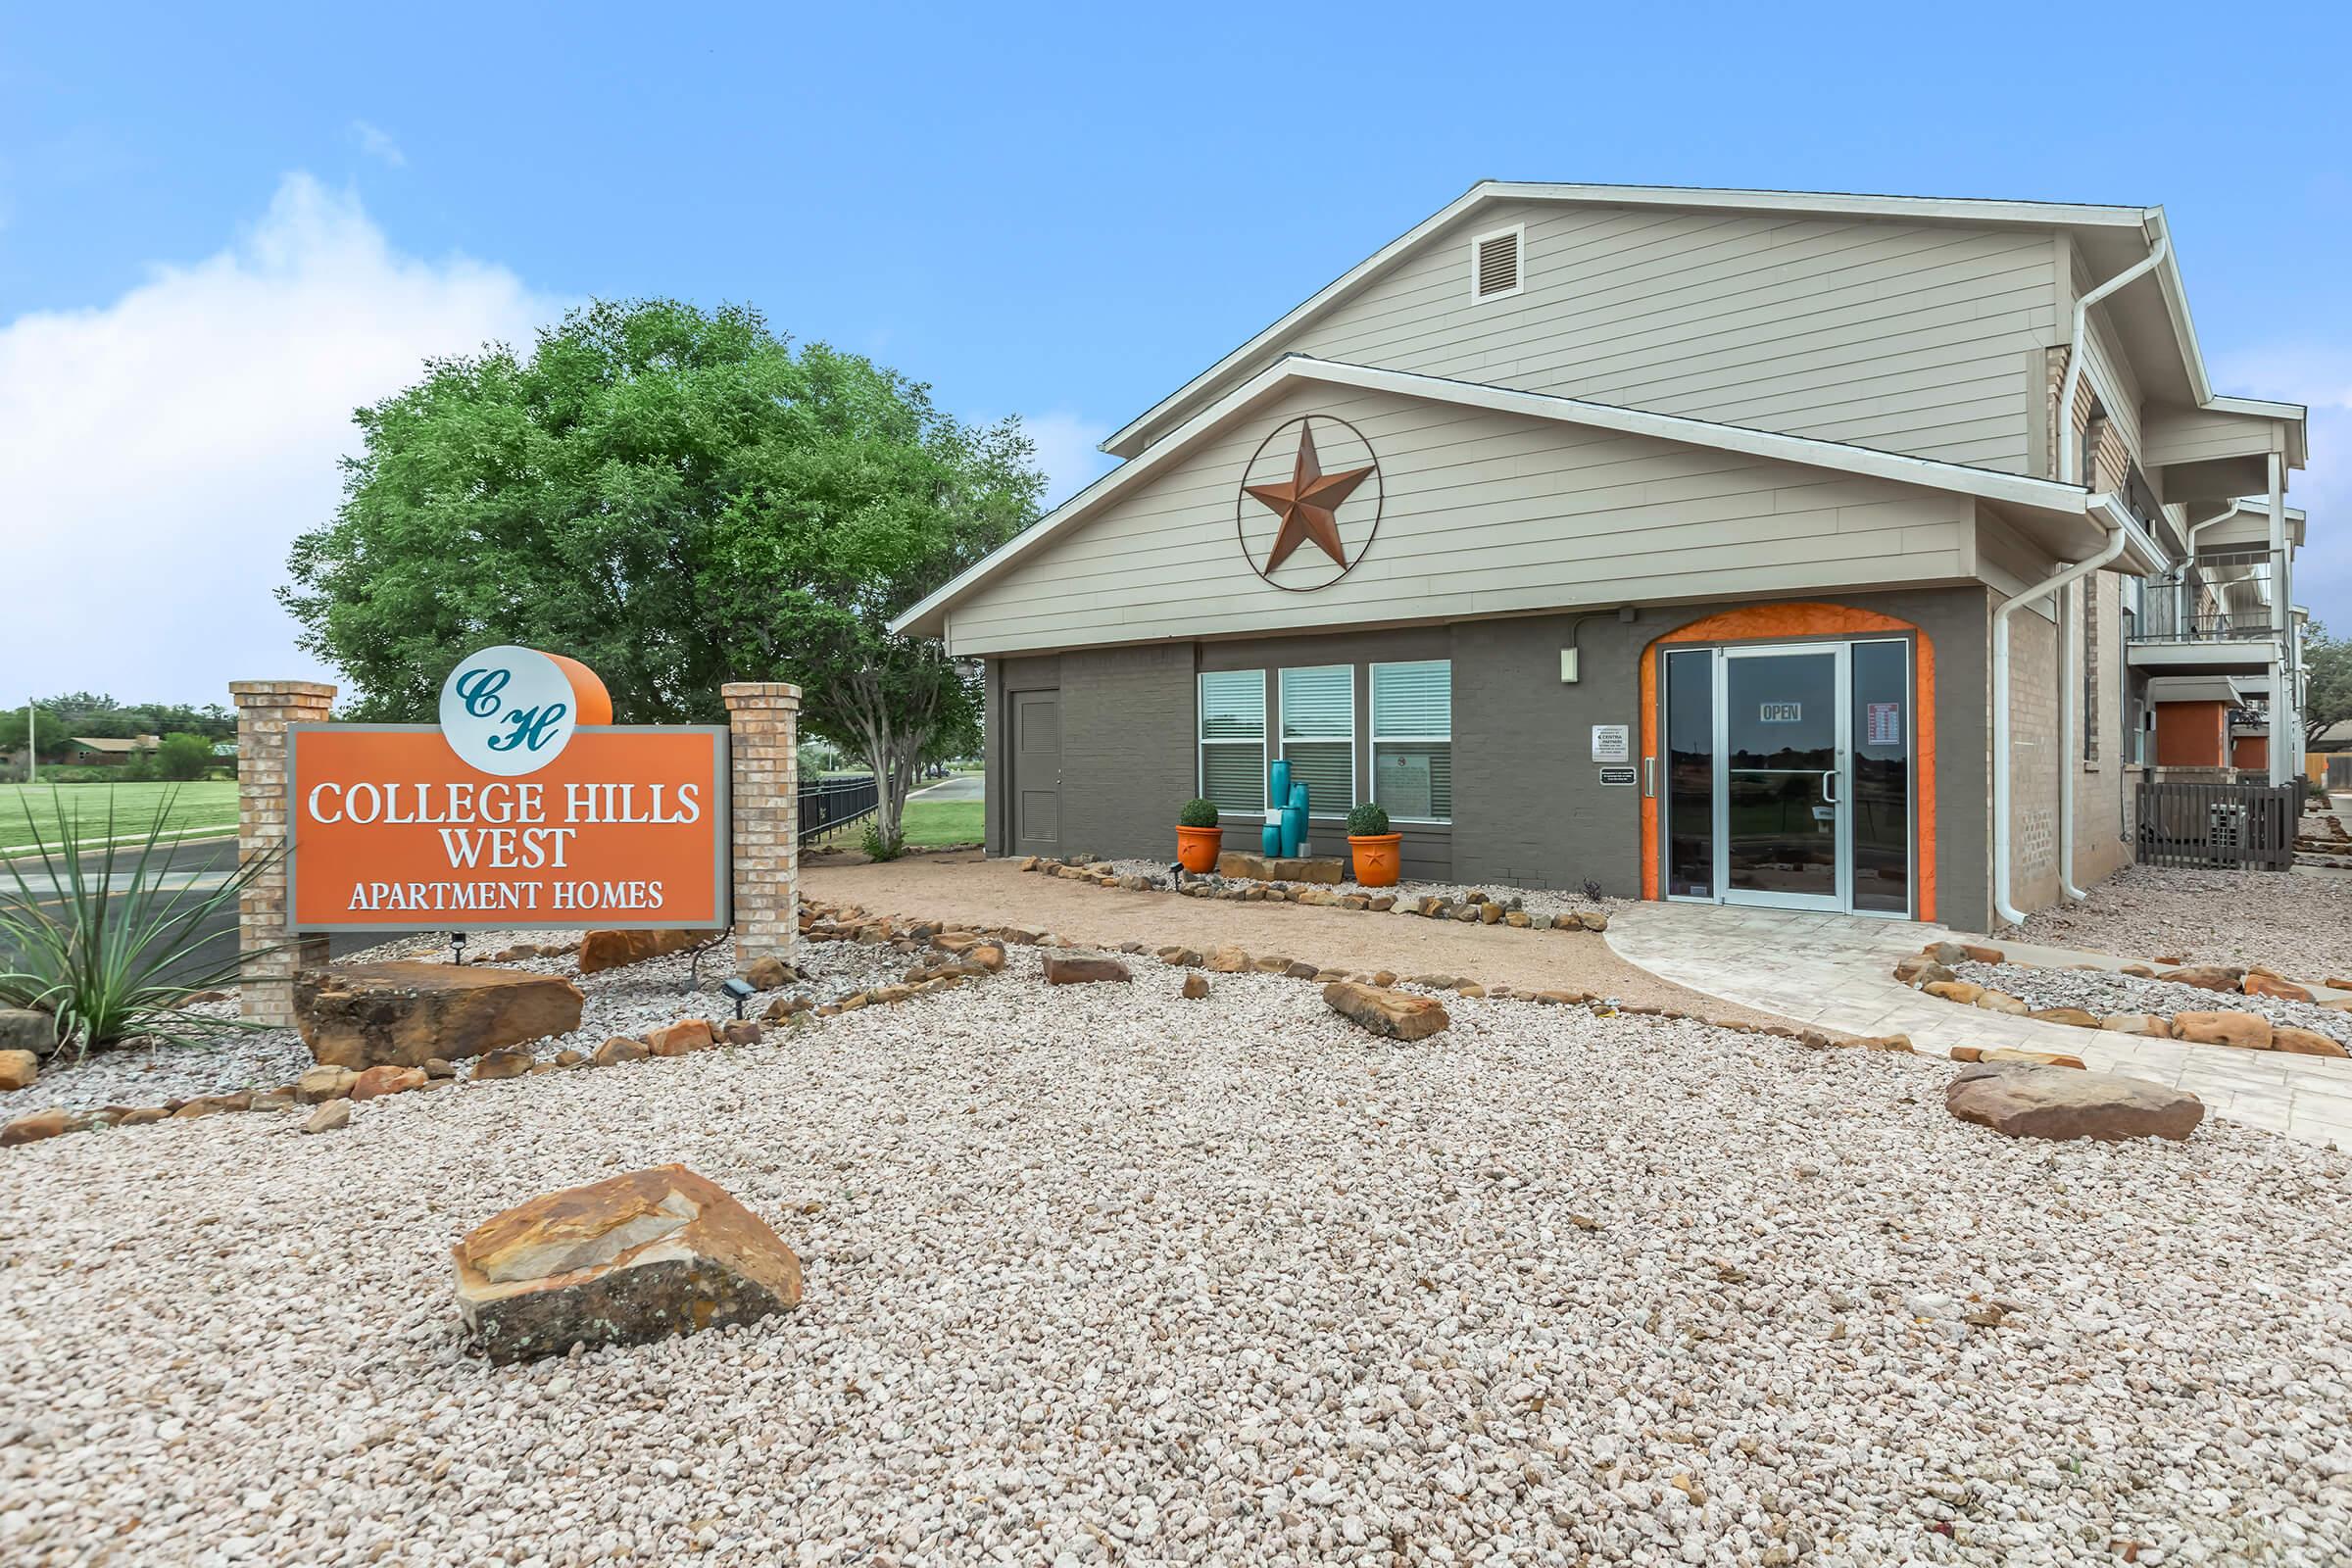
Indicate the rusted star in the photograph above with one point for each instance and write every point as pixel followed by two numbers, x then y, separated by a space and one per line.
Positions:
pixel 1309 503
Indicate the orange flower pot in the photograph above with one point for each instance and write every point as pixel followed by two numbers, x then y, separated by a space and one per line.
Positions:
pixel 1197 849
pixel 1376 858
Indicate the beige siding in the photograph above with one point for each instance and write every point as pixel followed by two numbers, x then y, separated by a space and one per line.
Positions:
pixel 1484 513
pixel 2197 435
pixel 1905 337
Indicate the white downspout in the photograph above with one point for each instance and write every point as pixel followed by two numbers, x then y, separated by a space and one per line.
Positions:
pixel 2069 461
pixel 2003 906
pixel 2283 622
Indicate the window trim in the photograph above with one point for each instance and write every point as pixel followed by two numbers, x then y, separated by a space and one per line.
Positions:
pixel 1201 741
pixel 1375 738
pixel 1282 741
pixel 1518 233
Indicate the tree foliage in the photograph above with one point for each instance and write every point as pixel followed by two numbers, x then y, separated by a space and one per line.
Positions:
pixel 678 498
pixel 184 757
pixel 2329 661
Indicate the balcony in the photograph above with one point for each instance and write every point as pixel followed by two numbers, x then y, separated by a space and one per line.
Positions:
pixel 2210 617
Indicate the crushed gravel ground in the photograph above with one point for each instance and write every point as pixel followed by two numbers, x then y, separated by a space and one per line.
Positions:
pixel 1536 901
pixel 619 1002
pixel 2103 991
pixel 2298 925
pixel 1096 1275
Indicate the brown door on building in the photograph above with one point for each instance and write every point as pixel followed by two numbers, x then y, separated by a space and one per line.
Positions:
pixel 1036 773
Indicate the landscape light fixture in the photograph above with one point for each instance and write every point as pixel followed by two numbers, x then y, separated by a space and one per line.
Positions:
pixel 457 947
pixel 741 990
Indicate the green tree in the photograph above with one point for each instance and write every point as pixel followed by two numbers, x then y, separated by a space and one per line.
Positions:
pixel 678 498
pixel 2329 661
pixel 184 757
pixel 49 732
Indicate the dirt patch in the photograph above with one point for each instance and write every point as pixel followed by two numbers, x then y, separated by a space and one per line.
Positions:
pixel 964 887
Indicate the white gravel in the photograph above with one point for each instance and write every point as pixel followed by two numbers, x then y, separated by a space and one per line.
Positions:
pixel 1100 1276
pixel 2102 991
pixel 619 1002
pixel 2298 925
pixel 1536 901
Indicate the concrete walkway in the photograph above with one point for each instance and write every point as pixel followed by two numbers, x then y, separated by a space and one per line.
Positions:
pixel 1836 971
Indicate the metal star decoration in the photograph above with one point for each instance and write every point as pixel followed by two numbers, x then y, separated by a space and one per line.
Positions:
pixel 1309 503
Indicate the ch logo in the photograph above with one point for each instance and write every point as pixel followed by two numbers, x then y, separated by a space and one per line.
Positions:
pixel 1311 503
pixel 512 711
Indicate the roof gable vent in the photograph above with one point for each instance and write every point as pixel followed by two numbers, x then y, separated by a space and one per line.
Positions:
pixel 1494 269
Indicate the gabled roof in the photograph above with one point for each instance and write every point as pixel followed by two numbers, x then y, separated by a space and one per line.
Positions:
pixel 2024 496
pixel 2113 237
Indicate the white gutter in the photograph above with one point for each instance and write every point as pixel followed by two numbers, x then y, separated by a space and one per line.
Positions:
pixel 2068 457
pixel 2116 520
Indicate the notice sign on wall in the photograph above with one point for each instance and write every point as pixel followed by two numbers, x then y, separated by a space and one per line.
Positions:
pixel 394 827
pixel 1612 743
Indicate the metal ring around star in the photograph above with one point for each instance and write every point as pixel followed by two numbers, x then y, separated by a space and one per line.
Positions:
pixel 1242 498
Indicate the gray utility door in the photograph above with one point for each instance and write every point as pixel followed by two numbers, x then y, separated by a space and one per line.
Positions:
pixel 1037 772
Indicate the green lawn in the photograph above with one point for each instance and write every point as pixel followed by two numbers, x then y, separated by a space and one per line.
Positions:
pixel 937 822
pixel 208 803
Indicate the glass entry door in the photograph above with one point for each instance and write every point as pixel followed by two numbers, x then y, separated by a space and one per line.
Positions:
pixel 1789 775
pixel 1780 763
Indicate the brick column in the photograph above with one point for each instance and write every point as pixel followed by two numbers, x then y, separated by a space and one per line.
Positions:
pixel 265 708
pixel 762 719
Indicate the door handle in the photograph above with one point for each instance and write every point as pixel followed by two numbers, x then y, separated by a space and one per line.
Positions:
pixel 1829 787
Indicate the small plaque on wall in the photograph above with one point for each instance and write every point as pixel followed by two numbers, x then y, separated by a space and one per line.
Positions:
pixel 1612 743
pixel 1617 775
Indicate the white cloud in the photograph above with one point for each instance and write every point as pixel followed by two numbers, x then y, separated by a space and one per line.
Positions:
pixel 2320 377
pixel 158 454
pixel 377 143
pixel 1065 452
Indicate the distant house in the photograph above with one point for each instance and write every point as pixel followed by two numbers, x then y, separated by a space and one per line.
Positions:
pixel 109 751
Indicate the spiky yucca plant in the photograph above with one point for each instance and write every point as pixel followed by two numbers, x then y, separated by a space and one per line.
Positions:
pixel 112 963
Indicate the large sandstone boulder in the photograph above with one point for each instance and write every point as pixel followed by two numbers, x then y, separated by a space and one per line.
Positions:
pixel 1396 1014
pixel 613 949
pixel 1070 969
pixel 2248 1031
pixel 2063 1102
pixel 634 1258
pixel 1261 868
pixel 403 1015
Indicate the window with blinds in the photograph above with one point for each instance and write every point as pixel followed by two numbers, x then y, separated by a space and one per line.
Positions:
pixel 1413 740
pixel 1232 740
pixel 1318 735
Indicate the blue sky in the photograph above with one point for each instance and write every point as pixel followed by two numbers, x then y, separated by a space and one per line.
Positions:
pixel 220 236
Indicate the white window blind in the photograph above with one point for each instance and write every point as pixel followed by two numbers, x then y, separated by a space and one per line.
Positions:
pixel 1318 734
pixel 1232 740
pixel 1413 740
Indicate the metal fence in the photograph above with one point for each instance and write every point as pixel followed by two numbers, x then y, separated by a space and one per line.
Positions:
pixel 830 804
pixel 2249 825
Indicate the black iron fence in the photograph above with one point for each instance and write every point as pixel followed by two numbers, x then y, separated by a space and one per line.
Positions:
pixel 828 804
pixel 2246 825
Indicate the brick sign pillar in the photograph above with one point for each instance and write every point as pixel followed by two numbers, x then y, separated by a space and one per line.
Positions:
pixel 265 708
pixel 762 717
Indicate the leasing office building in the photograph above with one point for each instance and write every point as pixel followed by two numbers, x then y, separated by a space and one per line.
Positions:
pixel 1721 545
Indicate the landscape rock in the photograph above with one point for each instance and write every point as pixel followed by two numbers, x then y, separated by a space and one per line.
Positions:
pixel 1067 969
pixel 2305 1043
pixel 1396 1014
pixel 739 1032
pixel 2249 1031
pixel 403 1014
pixel 2271 985
pixel 1962 991
pixel 377 1082
pixel 2000 1001
pixel 2024 1100
pixel 613 949
pixel 2074 1018
pixel 619 1049
pixel 627 1260
pixel 2205 977
pixel 17 1070
pixel 766 974
pixel 784 1009
pixel 2136 1023
pixel 1227 959
pixel 507 1061
pixel 332 1116
pixel 1195 988
pixel 37 1126
pixel 686 1036
pixel 27 1029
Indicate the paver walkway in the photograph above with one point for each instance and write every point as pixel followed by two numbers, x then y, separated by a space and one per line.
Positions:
pixel 1836 971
